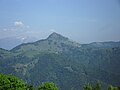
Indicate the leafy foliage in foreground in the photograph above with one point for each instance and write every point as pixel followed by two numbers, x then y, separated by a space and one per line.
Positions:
pixel 98 87
pixel 8 82
pixel 48 86
pixel 91 87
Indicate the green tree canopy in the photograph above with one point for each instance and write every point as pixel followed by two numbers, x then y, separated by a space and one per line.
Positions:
pixel 98 86
pixel 9 82
pixel 48 86
pixel 110 87
pixel 88 87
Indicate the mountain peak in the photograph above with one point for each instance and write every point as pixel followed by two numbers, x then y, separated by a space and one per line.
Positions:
pixel 55 35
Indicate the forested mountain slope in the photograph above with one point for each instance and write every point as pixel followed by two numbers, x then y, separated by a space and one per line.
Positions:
pixel 68 64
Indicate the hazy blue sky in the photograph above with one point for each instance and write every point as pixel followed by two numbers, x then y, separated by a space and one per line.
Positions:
pixel 80 20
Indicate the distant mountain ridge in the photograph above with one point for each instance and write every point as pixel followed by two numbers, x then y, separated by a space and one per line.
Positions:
pixel 11 42
pixel 68 64
pixel 54 43
pixel 109 44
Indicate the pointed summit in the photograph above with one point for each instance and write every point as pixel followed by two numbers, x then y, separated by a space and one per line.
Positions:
pixel 57 36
